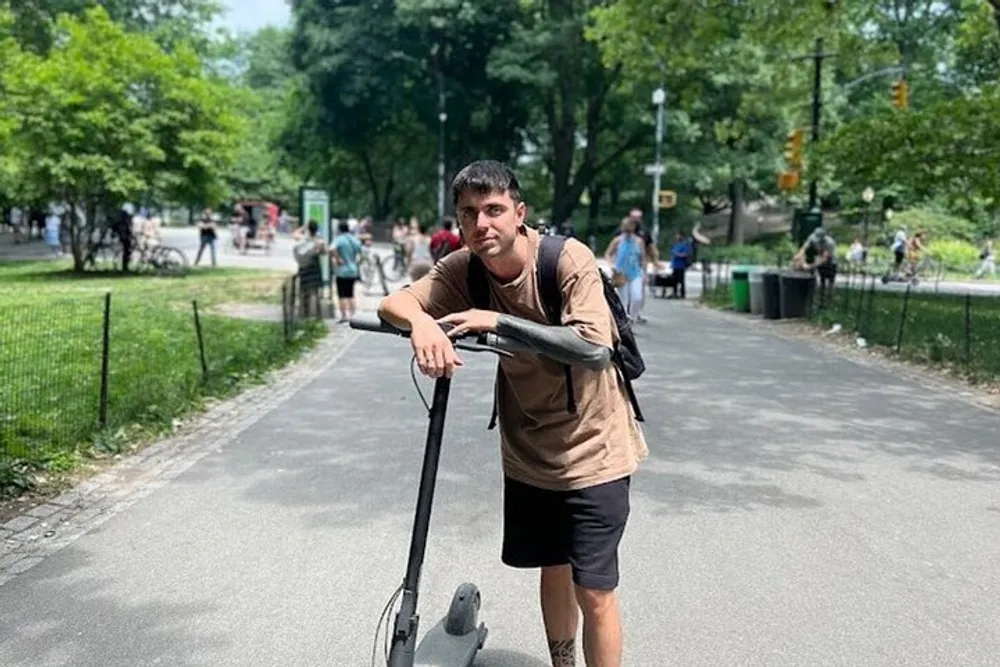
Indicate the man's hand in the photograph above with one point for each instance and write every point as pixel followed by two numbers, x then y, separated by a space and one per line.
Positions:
pixel 436 356
pixel 471 321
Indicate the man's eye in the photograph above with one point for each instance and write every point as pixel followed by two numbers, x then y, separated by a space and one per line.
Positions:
pixel 494 211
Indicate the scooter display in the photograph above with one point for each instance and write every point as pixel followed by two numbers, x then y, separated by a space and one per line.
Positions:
pixel 458 637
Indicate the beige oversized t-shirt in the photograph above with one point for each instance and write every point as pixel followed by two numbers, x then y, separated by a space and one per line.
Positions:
pixel 542 443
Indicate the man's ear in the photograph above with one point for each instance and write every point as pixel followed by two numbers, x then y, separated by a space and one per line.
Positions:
pixel 521 211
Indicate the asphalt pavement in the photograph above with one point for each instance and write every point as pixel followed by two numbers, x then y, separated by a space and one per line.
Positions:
pixel 797 509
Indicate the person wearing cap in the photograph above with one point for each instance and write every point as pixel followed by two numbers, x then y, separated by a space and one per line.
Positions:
pixel 819 254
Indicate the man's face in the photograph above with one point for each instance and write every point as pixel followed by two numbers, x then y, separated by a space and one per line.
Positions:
pixel 489 223
pixel 636 215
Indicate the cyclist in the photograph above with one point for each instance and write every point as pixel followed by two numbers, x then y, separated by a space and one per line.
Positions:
pixel 566 475
pixel 915 249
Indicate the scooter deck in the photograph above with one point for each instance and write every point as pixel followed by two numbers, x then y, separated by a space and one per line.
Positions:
pixel 440 649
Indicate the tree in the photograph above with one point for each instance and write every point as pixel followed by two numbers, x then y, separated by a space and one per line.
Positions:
pixel 379 105
pixel 172 22
pixel 106 114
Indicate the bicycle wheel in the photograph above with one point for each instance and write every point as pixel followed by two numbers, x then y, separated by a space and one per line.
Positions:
pixel 367 271
pixel 169 261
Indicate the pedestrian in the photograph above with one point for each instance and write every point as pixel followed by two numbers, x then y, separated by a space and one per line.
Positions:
pixel 307 254
pixel 680 260
pixel 206 235
pixel 418 252
pixel 989 261
pixel 566 475
pixel 344 253
pixel 626 254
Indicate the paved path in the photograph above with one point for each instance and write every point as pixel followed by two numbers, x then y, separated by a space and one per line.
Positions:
pixel 797 509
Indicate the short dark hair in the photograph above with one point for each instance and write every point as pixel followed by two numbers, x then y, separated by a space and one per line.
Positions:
pixel 313 227
pixel 343 227
pixel 486 177
pixel 448 222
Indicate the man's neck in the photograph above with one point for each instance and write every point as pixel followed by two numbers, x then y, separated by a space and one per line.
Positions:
pixel 511 265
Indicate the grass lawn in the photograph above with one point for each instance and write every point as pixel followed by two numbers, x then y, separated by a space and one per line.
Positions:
pixel 51 356
pixel 959 332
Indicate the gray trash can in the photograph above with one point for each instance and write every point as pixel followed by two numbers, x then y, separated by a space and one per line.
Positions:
pixel 756 293
pixel 797 289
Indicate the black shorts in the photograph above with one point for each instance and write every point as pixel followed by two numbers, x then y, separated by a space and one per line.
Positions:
pixel 345 288
pixel 827 272
pixel 580 528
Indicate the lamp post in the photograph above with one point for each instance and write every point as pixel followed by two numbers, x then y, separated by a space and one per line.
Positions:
pixel 868 195
pixel 659 99
pixel 442 118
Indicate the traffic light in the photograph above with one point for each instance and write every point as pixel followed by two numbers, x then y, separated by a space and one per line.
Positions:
pixel 788 181
pixel 901 94
pixel 793 148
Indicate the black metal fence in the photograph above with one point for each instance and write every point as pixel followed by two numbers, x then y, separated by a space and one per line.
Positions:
pixel 925 323
pixel 85 371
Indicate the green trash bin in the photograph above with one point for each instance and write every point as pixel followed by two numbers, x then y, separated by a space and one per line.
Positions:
pixel 741 289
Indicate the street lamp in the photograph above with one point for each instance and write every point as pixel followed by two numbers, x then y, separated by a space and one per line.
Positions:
pixel 659 99
pixel 868 195
pixel 442 117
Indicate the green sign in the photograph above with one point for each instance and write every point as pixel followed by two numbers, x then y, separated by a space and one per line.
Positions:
pixel 315 207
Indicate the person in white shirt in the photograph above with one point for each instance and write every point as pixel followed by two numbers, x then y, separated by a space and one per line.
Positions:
pixel 899 248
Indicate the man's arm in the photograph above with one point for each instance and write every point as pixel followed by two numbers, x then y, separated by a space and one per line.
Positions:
pixel 435 295
pixel 560 343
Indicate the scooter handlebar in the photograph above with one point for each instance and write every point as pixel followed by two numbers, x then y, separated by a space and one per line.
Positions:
pixel 484 342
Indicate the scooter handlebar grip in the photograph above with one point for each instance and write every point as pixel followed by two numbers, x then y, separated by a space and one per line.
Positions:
pixel 369 322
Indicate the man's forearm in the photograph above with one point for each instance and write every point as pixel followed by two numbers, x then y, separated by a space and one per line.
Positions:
pixel 559 343
pixel 402 311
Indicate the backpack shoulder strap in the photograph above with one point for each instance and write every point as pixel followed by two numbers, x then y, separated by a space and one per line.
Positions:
pixel 549 250
pixel 477 283
pixel 479 293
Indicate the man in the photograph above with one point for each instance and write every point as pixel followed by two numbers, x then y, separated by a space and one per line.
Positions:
pixel 819 253
pixel 445 240
pixel 345 253
pixel 566 475
pixel 680 260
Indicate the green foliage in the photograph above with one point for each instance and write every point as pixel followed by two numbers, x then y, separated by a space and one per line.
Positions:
pixel 937 225
pixel 955 255
pixel 106 114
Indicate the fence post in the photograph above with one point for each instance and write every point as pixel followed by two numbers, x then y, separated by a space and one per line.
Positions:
pixel 846 307
pixel 201 342
pixel 902 319
pixel 867 315
pixel 861 302
pixel 284 308
pixel 105 360
pixel 968 329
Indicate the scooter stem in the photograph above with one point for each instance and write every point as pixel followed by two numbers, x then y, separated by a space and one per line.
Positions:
pixel 404 638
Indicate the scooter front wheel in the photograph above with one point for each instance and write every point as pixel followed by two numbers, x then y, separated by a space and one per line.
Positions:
pixel 463 613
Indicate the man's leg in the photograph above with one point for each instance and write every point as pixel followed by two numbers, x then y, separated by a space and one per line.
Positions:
pixel 598 516
pixel 602 627
pixel 560 613
pixel 536 535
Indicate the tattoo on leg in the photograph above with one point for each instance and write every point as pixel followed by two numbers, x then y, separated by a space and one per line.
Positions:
pixel 563 652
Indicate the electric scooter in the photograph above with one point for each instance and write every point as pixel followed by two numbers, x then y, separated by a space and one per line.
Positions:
pixel 458 637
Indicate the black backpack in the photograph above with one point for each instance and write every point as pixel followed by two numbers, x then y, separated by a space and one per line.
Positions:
pixel 625 355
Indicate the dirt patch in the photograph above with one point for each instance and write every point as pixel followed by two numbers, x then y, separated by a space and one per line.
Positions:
pixel 250 311
pixel 940 377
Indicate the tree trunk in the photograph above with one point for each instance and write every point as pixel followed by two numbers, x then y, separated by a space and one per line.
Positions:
pixel 734 234
pixel 595 191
